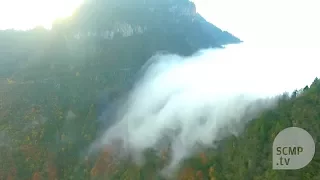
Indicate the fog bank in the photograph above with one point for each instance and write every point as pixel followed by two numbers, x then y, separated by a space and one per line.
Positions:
pixel 195 101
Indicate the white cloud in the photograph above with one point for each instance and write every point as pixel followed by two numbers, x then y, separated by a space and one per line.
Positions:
pixel 218 87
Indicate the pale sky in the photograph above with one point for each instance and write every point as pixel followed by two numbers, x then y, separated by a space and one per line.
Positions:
pixel 26 14
pixel 288 22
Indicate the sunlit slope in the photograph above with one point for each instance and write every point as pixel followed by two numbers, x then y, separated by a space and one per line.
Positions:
pixel 124 34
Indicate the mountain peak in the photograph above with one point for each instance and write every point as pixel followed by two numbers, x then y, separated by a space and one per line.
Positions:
pixel 106 20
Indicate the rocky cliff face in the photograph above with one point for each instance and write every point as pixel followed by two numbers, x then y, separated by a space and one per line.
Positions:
pixel 112 35
pixel 167 23
pixel 123 34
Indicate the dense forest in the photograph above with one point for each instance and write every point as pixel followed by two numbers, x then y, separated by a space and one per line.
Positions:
pixel 54 84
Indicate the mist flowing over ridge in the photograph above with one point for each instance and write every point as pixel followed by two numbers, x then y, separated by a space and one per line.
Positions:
pixel 190 102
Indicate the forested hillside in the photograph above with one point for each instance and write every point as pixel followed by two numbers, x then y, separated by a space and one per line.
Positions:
pixel 41 140
pixel 53 86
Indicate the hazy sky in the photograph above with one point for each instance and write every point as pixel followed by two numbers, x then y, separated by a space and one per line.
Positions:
pixel 24 14
pixel 288 22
